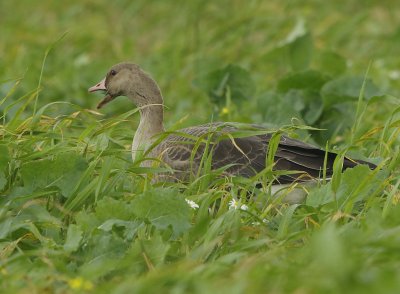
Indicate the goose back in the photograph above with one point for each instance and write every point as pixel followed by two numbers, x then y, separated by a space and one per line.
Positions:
pixel 245 156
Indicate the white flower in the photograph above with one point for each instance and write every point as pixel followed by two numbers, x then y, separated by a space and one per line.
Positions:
pixel 233 204
pixel 265 221
pixel 192 204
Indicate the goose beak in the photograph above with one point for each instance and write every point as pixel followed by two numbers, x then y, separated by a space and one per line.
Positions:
pixel 99 87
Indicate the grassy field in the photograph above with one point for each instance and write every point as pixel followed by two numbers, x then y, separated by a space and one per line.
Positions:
pixel 77 216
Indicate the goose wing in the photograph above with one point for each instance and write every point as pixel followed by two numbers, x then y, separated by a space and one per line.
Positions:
pixel 245 156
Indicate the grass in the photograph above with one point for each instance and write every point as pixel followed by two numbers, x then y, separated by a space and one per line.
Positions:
pixel 76 215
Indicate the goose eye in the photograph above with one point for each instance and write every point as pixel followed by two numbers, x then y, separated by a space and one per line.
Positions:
pixel 113 72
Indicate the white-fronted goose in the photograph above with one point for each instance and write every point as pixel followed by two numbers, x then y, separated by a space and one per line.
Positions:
pixel 245 155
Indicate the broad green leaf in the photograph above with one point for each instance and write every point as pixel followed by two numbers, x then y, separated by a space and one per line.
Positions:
pixel 109 208
pixel 331 63
pixel 163 207
pixel 74 237
pixel 105 243
pixel 307 79
pixel 355 184
pixel 335 120
pixel 314 107
pixel 130 227
pixel 110 214
pixel 301 96
pixel 148 252
pixel 347 88
pixel 298 31
pixel 300 104
pixel 87 221
pixel 300 52
pixel 34 218
pixel 358 183
pixel 109 224
pixel 320 196
pixel 232 79
pixel 295 51
pixel 64 172
pixel 285 107
pixel 101 265
pixel 39 214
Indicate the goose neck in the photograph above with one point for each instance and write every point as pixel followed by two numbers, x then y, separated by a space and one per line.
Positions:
pixel 150 125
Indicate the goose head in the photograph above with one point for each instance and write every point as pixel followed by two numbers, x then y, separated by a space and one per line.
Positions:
pixel 128 79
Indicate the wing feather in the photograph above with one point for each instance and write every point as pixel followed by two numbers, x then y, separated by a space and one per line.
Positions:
pixel 245 156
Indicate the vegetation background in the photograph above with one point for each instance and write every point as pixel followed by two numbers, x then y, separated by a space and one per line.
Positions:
pixel 77 216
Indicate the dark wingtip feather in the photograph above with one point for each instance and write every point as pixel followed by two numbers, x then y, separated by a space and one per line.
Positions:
pixel 349 163
pixel 371 165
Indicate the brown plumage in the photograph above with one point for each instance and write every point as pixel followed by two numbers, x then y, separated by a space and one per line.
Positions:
pixel 245 156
